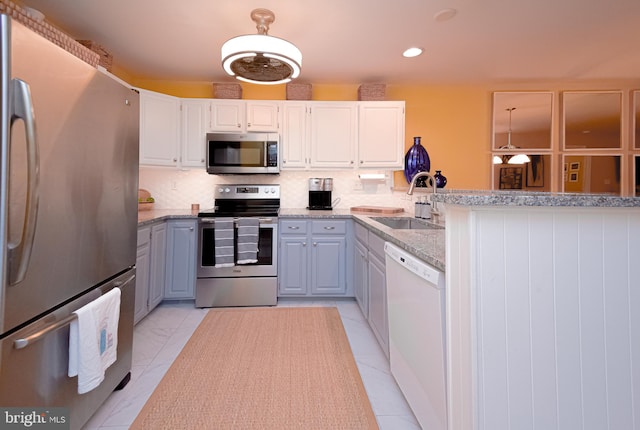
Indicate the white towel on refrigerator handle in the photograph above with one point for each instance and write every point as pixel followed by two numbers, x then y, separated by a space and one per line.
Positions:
pixel 93 340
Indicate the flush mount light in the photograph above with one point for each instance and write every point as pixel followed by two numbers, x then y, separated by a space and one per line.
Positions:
pixel 260 58
pixel 412 52
pixel 445 14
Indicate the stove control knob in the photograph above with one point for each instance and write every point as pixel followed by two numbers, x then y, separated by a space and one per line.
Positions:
pixel 221 190
pixel 273 190
pixel 227 190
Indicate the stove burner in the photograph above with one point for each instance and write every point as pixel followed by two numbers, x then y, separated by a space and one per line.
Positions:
pixel 244 201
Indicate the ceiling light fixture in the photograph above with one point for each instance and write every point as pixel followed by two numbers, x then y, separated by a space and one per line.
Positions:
pixel 260 58
pixel 510 159
pixel 445 15
pixel 412 52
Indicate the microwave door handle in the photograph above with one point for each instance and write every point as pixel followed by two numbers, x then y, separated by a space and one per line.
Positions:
pixel 265 162
pixel 19 253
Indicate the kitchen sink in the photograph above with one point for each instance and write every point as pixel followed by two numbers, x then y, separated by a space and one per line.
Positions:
pixel 404 223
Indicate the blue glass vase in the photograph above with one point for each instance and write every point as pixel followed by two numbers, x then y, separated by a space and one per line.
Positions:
pixel 416 160
pixel 441 180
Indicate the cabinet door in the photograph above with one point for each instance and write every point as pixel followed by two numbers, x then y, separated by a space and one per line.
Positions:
pixel 227 115
pixel 328 265
pixel 360 277
pixel 157 265
pixel 334 134
pixel 292 269
pixel 381 134
pixel 263 116
pixel 294 144
pixel 159 129
pixel 181 259
pixel 378 302
pixel 142 282
pixel 194 130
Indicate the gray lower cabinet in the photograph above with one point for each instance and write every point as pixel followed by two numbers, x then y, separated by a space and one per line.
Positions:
pixel 313 258
pixel 150 268
pixel 360 275
pixel 181 259
pixel 370 283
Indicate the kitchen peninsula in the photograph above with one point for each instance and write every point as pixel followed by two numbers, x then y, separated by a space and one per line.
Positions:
pixel 542 310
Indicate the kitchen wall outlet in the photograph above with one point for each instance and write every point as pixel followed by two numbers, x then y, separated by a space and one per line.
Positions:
pixel 357 186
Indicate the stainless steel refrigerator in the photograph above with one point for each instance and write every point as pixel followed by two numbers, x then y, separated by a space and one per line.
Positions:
pixel 68 216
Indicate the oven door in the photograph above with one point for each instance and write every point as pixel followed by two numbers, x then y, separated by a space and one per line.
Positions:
pixel 267 264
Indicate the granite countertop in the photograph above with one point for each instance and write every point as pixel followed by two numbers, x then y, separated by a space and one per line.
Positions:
pixel 149 217
pixel 428 244
pixel 525 198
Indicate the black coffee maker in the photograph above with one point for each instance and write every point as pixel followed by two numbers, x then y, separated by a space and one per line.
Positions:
pixel 320 193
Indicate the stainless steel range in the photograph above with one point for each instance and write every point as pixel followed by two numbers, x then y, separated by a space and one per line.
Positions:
pixel 238 282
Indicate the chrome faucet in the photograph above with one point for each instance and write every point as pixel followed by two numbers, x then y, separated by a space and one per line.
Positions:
pixel 434 207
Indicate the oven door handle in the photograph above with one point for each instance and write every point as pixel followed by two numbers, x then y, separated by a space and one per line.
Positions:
pixel 263 221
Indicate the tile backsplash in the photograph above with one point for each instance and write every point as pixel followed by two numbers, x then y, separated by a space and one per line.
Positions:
pixel 178 189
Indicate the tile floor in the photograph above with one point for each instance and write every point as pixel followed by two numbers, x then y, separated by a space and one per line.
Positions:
pixel 159 338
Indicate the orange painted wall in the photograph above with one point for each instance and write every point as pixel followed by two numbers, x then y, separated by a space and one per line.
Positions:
pixel 454 122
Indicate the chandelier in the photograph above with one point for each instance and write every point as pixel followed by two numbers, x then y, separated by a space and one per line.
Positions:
pixel 510 159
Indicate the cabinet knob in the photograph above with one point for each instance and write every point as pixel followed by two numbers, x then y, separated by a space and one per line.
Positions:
pixel 315 243
pixel 238 125
pixel 248 124
pixel 294 227
pixel 202 160
pixel 191 228
pixel 351 162
pixel 304 243
pixel 175 160
pixel 329 228
pixel 361 161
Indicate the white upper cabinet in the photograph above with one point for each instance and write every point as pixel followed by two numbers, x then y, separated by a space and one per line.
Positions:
pixel 333 134
pixel 159 129
pixel 381 135
pixel 244 115
pixel 294 152
pixel 195 117
pixel 263 115
pixel 327 135
pixel 227 115
pixel 313 134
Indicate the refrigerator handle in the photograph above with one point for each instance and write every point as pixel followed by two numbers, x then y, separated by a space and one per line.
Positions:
pixel 26 341
pixel 20 253
pixel 23 342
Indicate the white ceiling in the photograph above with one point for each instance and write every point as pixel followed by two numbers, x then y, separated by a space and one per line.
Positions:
pixel 356 41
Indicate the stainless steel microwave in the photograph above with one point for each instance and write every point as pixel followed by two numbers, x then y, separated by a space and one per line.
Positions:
pixel 242 153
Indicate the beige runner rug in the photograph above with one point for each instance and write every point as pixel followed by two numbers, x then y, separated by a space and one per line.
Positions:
pixel 262 368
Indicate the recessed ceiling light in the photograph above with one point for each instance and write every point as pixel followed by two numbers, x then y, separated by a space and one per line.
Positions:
pixel 412 52
pixel 445 15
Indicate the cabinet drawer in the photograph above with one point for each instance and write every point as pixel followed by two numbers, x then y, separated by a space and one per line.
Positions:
pixel 144 235
pixel 362 234
pixel 329 227
pixel 293 227
pixel 376 245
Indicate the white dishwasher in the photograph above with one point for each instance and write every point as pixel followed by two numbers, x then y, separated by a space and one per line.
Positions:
pixel 415 300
